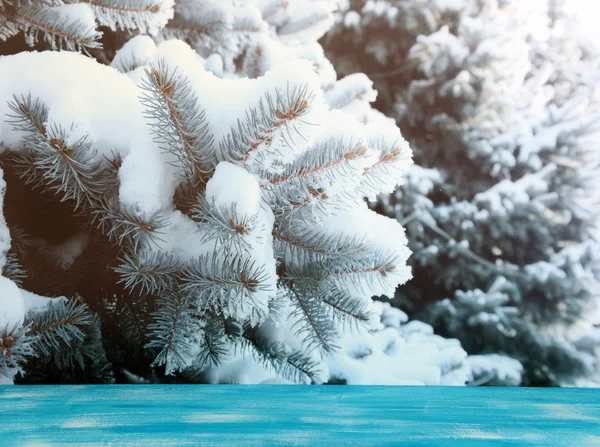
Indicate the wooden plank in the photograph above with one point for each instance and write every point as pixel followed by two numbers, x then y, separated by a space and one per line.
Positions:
pixel 193 415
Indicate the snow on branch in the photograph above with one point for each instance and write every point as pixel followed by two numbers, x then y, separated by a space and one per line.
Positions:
pixel 178 124
pixel 310 21
pixel 278 116
pixel 273 253
pixel 69 27
pixel 172 332
pixel 147 16
pixel 52 157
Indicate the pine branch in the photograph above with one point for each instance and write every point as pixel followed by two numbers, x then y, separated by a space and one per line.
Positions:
pixel 311 27
pixel 178 123
pixel 213 347
pixel 311 175
pixel 60 326
pixel 82 360
pixel 315 176
pixel 8 27
pixel 173 331
pixel 393 161
pixel 151 273
pixel 142 15
pixel 225 225
pixel 13 269
pixel 295 238
pixel 220 299
pixel 349 311
pixel 290 365
pixel 209 25
pixel 312 319
pixel 322 159
pixel 20 240
pixel 125 227
pixel 213 29
pixel 261 122
pixel 237 281
pixel 60 31
pixel 16 347
pixel 367 266
pixel 316 277
pixel 50 158
pixel 365 272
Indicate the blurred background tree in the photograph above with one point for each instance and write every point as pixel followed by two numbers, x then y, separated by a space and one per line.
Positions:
pixel 499 101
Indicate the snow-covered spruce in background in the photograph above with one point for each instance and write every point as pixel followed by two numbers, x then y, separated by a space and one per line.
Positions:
pixel 499 101
pixel 375 36
pixel 235 206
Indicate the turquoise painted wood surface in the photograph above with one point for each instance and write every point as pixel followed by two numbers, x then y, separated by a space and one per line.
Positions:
pixel 196 415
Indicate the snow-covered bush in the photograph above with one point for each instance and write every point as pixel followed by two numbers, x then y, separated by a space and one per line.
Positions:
pixel 231 209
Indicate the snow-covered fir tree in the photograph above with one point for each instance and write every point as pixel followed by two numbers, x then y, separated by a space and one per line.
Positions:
pixel 195 211
pixel 499 101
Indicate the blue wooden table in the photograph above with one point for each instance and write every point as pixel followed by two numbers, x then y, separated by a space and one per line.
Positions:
pixel 196 415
